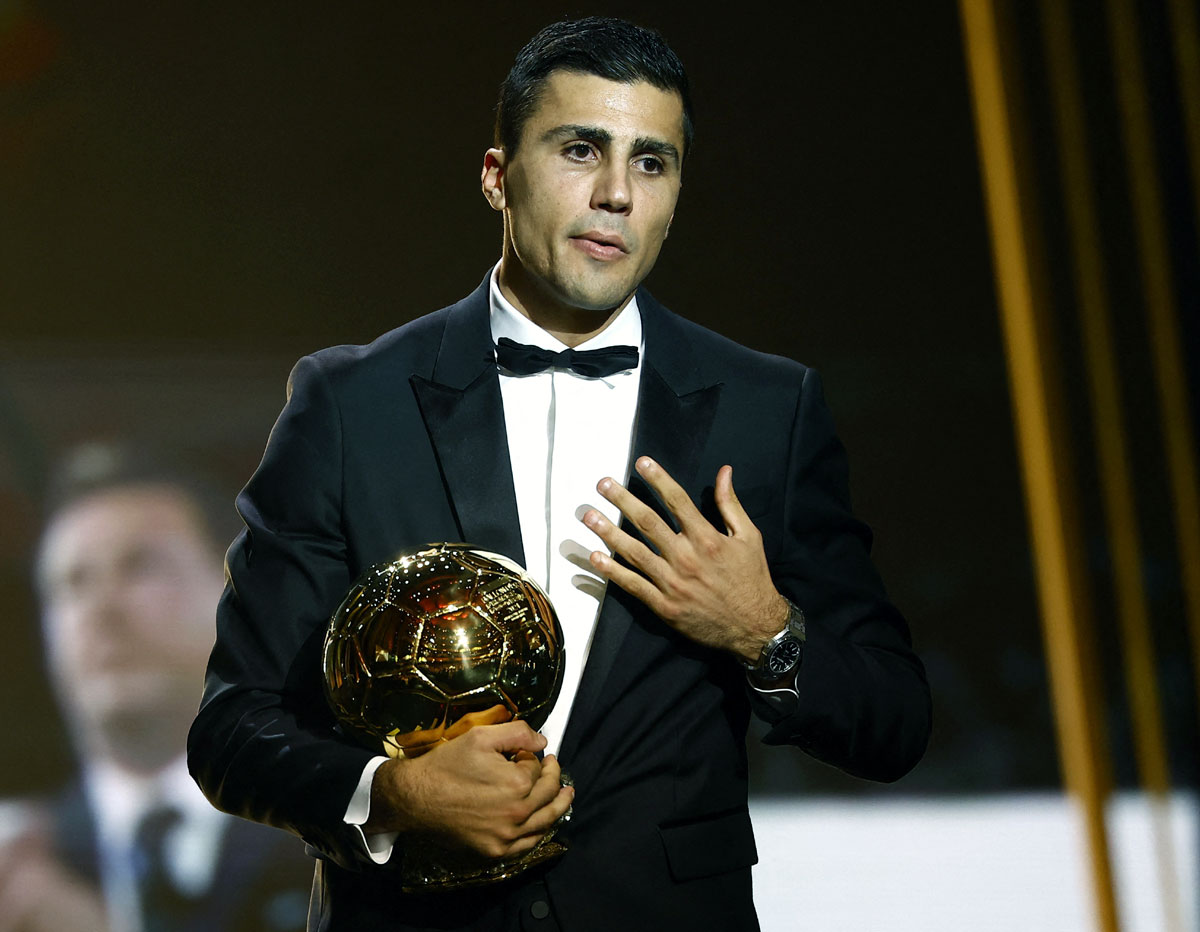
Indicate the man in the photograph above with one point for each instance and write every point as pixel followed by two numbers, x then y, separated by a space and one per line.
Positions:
pixel 128 572
pixel 682 601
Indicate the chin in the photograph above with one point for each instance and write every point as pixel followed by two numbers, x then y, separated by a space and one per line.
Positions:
pixel 137 738
pixel 599 298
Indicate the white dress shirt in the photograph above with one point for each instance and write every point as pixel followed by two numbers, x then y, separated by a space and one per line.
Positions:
pixel 566 432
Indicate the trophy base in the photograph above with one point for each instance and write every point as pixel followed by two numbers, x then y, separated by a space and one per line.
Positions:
pixel 426 874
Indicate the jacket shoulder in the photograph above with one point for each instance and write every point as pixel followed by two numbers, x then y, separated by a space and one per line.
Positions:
pixel 722 358
pixel 412 346
pixel 459 331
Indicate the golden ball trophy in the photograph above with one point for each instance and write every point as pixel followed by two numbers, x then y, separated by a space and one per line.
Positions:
pixel 432 636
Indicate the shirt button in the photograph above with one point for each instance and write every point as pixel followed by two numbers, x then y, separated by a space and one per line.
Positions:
pixel 539 909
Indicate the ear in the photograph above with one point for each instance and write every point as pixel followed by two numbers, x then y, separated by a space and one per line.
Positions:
pixel 491 178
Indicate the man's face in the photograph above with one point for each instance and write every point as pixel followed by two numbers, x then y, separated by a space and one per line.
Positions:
pixel 129 584
pixel 590 192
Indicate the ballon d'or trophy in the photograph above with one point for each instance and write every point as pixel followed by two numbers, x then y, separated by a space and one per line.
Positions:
pixel 437 634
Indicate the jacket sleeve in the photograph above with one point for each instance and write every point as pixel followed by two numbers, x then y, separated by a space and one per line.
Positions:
pixel 263 745
pixel 862 701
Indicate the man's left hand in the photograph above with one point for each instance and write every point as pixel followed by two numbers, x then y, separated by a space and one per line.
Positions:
pixel 714 588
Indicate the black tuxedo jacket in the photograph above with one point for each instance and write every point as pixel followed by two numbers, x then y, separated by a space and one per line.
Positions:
pixel 402 442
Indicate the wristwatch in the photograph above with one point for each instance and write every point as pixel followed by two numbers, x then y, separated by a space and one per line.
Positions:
pixel 782 654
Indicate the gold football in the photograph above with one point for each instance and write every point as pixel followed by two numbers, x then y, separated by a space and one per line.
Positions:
pixel 436 634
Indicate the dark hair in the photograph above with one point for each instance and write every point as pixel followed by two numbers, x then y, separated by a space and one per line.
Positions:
pixel 96 468
pixel 606 47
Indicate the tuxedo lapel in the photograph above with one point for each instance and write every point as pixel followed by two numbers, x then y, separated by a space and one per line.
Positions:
pixel 676 407
pixel 464 415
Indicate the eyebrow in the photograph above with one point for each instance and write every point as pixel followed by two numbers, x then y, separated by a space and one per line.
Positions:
pixel 602 137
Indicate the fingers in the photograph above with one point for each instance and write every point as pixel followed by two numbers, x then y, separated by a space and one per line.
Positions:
pixel 635 552
pixel 679 504
pixel 529 765
pixel 648 574
pixel 486 791
pixel 690 520
pixel 548 783
pixel 638 513
pixel 642 516
pixel 672 494
pixel 652 527
pixel 510 737
pixel 544 778
pixel 637 585
pixel 532 816
pixel 543 820
pixel 549 801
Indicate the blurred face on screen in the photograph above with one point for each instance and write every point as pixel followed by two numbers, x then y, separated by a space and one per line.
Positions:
pixel 129 582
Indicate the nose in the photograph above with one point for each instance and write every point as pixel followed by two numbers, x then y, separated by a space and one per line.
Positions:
pixel 613 191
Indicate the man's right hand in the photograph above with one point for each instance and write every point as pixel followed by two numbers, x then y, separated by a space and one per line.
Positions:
pixel 484 791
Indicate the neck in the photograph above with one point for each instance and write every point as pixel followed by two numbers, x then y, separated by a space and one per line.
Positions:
pixel 570 325
pixel 141 751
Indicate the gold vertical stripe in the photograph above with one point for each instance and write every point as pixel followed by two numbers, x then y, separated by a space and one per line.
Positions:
pixel 1055 542
pixel 1154 265
pixel 1116 485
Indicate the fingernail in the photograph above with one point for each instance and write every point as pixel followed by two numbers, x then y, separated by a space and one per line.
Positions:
pixel 604 485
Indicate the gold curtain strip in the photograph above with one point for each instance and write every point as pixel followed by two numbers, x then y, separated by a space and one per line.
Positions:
pixel 1154 264
pixel 1116 484
pixel 1055 537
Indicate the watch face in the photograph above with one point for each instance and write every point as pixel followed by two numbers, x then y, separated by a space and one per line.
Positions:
pixel 784 657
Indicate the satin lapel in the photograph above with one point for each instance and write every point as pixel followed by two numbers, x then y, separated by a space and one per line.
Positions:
pixel 464 415
pixel 673 423
pixel 466 428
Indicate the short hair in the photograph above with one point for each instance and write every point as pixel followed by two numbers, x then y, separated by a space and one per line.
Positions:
pixel 603 46
pixel 96 468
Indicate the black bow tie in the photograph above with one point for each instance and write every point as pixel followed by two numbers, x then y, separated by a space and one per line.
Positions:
pixel 522 359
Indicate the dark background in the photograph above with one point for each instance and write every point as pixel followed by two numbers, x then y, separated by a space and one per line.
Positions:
pixel 192 195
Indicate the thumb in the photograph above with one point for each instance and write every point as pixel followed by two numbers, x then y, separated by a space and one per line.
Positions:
pixel 732 513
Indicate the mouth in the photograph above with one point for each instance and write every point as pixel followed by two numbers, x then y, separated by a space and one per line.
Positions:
pixel 600 245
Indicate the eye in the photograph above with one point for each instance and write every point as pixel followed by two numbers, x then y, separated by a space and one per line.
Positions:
pixel 650 165
pixel 579 152
pixel 71 583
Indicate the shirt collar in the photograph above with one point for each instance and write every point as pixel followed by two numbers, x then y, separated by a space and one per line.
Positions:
pixel 507 321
